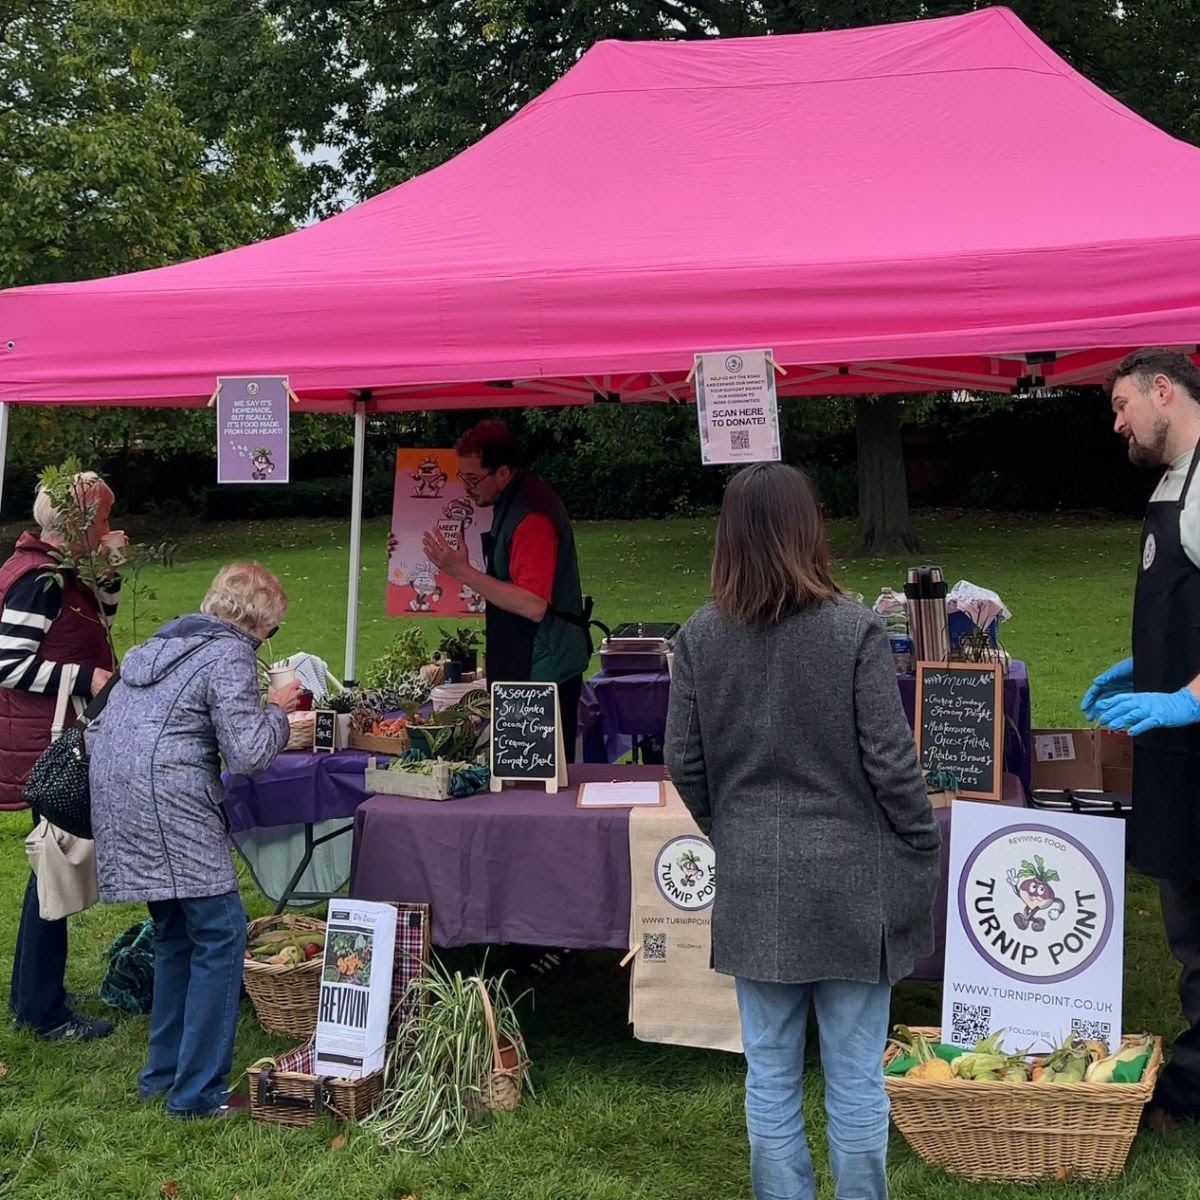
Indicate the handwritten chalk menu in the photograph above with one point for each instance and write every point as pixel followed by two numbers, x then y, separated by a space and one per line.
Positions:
pixel 959 724
pixel 527 742
pixel 325 730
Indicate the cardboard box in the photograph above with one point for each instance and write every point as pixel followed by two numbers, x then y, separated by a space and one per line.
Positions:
pixel 1082 759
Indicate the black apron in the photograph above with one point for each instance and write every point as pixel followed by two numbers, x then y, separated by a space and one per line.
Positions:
pixel 508 638
pixel 1164 826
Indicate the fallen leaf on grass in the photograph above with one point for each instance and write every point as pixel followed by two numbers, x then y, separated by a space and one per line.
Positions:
pixel 170 1189
pixel 338 1142
pixel 3 1070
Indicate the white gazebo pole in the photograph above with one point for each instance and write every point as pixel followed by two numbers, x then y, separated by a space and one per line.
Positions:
pixel 356 507
pixel 3 446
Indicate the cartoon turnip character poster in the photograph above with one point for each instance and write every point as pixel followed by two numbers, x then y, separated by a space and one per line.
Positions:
pixel 429 496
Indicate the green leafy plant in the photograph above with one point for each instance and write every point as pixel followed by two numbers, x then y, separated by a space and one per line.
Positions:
pixel 403 659
pixel 95 568
pixel 437 1069
pixel 459 646
pixel 345 701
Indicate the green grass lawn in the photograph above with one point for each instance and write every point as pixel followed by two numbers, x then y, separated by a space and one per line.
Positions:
pixel 613 1119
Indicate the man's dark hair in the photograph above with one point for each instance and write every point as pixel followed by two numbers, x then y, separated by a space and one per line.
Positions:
pixel 494 446
pixel 1143 365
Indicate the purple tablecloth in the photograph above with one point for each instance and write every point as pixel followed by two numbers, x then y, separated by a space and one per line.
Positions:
pixel 525 867
pixel 514 866
pixel 296 788
pixel 614 708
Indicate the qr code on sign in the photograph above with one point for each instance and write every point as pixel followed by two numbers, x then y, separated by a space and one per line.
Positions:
pixel 970 1023
pixel 739 439
pixel 654 947
pixel 1092 1031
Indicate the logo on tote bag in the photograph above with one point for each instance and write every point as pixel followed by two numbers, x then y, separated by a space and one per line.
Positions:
pixel 1035 903
pixel 685 870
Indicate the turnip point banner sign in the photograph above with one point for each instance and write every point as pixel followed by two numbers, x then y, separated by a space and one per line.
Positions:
pixel 1034 927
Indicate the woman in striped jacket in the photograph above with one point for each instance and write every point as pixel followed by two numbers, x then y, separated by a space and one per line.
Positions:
pixel 50 622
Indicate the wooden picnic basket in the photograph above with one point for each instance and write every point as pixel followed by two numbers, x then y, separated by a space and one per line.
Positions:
pixel 285 996
pixel 1020 1131
pixel 284 1091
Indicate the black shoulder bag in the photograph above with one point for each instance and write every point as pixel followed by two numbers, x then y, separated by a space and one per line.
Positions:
pixel 58 784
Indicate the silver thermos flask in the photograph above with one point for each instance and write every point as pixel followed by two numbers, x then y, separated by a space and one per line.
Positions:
pixel 928 622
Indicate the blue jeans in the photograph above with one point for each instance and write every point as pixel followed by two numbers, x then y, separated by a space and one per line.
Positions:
pixel 199 947
pixel 38 998
pixel 852 1021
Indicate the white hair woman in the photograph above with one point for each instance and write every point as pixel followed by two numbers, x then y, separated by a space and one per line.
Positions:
pixel 53 628
pixel 187 699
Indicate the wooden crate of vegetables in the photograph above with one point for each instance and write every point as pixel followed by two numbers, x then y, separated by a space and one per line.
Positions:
pixel 283 972
pixel 989 1113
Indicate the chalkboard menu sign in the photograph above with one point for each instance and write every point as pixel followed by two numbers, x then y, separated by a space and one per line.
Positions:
pixel 960 724
pixel 325 730
pixel 527 741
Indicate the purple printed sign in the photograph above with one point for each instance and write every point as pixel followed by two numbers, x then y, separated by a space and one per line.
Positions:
pixel 252 429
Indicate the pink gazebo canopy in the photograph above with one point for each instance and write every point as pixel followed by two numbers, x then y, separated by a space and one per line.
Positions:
pixel 937 204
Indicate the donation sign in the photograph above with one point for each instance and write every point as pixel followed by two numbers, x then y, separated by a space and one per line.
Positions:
pixel 429 496
pixel 1034 927
pixel 735 405
pixel 253 416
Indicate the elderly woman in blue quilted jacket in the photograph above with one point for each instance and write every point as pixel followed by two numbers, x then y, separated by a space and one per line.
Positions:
pixel 188 700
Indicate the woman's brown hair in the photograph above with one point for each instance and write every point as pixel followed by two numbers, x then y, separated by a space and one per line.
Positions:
pixel 771 559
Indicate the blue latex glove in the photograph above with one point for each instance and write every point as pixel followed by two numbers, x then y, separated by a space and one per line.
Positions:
pixel 1139 712
pixel 1113 682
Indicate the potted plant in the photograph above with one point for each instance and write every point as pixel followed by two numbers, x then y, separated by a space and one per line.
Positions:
pixel 460 1056
pixel 342 702
pixel 459 651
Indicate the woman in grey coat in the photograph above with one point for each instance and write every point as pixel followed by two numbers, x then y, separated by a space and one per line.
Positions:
pixel 788 742
pixel 187 700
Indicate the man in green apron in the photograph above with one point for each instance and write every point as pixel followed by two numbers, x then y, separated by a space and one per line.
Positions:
pixel 1155 695
pixel 535 624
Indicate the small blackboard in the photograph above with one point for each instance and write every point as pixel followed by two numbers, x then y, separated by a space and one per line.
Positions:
pixel 959 724
pixel 527 741
pixel 325 730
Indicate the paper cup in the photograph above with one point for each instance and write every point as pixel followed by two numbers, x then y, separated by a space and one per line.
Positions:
pixel 281 676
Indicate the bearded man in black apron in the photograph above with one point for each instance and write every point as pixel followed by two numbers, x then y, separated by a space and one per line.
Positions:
pixel 1155 695
pixel 536 620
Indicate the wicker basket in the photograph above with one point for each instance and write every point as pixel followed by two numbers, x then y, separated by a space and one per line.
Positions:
pixel 501 1089
pixel 377 744
pixel 285 997
pixel 286 1092
pixel 1020 1131
pixel 302 729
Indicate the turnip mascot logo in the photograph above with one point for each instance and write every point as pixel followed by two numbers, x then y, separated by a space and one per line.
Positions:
pixel 1035 903
pixel 686 872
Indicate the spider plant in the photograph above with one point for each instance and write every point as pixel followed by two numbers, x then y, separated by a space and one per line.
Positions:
pixel 441 1058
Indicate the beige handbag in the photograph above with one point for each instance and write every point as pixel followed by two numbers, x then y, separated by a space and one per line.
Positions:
pixel 65 865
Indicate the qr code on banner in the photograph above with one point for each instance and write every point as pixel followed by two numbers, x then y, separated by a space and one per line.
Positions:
pixel 654 947
pixel 1099 1031
pixel 739 439
pixel 970 1023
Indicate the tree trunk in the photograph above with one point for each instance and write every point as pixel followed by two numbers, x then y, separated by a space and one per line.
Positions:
pixel 885 526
